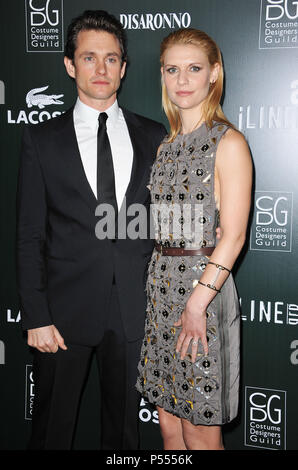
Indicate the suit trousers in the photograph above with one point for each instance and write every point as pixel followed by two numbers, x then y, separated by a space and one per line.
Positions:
pixel 59 381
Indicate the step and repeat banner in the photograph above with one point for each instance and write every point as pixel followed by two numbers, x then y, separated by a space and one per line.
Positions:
pixel 259 44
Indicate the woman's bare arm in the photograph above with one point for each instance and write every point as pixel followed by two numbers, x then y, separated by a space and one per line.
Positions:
pixel 234 170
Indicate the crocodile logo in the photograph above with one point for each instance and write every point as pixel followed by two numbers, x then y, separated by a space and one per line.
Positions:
pixel 35 97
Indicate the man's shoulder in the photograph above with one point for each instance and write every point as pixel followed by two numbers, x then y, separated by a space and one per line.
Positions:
pixel 53 124
pixel 143 121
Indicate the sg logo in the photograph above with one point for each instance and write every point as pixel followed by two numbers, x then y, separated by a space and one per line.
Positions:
pixel 40 16
pixel 263 408
pixel 270 211
pixel 276 9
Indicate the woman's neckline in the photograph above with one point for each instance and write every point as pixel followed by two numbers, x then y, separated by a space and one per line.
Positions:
pixel 191 132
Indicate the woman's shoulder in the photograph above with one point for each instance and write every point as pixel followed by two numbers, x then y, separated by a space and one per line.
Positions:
pixel 232 147
pixel 230 135
pixel 234 138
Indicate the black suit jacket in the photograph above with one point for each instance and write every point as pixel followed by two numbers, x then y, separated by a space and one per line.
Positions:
pixel 65 272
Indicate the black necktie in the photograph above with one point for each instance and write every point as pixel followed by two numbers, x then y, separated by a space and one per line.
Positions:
pixel 106 193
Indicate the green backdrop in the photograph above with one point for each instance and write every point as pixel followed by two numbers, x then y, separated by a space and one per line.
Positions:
pixel 258 40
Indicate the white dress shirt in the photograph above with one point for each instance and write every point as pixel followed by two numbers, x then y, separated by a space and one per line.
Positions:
pixel 86 126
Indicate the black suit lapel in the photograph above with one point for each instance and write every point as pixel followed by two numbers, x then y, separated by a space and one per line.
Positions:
pixel 142 159
pixel 141 165
pixel 67 143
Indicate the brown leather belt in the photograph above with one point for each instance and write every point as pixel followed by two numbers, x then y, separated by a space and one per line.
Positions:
pixel 171 251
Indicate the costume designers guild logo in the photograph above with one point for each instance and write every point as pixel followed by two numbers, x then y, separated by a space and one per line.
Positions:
pixel 29 392
pixel 265 418
pixel 44 25
pixel 272 222
pixel 278 24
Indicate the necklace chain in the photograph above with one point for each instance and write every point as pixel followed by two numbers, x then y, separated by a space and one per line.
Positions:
pixel 195 126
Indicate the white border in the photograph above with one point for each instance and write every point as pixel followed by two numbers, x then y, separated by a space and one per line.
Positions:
pixel 285 424
pixel 291 239
pixel 62 23
pixel 265 48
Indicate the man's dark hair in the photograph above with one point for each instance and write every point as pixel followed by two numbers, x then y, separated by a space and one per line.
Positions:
pixel 98 20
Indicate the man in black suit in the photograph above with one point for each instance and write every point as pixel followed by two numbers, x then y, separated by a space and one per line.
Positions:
pixel 81 293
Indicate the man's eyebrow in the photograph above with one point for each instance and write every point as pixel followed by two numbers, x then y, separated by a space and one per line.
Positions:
pixel 86 53
pixel 113 53
pixel 108 54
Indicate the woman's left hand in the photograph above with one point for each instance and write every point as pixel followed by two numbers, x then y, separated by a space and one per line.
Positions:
pixel 194 326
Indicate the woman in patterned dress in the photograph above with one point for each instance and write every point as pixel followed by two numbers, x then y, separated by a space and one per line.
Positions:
pixel 189 366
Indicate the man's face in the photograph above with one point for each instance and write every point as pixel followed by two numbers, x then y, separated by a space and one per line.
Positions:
pixel 96 68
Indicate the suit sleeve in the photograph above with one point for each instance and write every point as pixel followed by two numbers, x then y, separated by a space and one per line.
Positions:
pixel 31 237
pixel 163 133
pixel 159 134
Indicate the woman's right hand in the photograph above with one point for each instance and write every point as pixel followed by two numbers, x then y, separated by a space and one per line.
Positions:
pixel 194 329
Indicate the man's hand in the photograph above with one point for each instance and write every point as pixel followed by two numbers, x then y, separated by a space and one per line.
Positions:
pixel 46 339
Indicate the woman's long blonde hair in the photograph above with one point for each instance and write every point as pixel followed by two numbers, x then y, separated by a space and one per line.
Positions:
pixel 211 107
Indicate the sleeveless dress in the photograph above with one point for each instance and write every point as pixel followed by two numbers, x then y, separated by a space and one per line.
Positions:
pixel 204 392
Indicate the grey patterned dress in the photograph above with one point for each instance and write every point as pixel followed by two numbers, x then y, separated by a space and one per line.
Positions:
pixel 204 392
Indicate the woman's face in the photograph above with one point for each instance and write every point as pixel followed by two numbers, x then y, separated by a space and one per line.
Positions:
pixel 187 75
